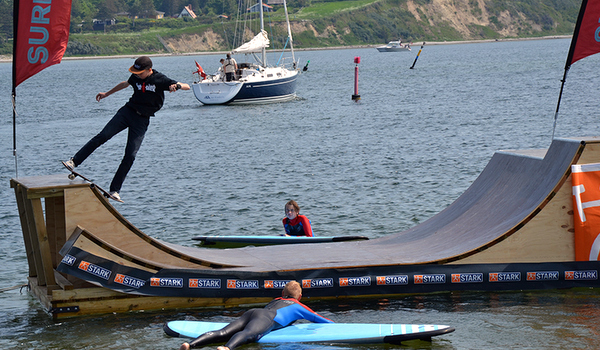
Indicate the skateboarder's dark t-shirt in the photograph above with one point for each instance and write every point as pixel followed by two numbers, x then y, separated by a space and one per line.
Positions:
pixel 148 94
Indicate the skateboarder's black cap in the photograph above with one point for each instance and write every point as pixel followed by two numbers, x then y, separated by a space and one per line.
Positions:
pixel 141 64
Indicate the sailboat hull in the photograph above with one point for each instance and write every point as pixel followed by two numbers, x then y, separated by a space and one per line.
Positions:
pixel 249 91
pixel 267 91
pixel 216 93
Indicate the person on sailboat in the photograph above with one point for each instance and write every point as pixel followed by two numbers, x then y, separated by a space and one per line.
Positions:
pixel 230 68
pixel 256 323
pixel 294 223
pixel 148 97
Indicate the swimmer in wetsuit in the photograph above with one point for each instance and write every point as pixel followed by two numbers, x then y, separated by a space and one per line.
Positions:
pixel 256 323
pixel 294 223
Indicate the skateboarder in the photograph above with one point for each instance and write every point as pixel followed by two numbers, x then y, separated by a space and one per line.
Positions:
pixel 148 97
pixel 256 323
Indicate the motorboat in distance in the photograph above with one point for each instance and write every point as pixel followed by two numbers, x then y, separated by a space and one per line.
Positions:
pixel 394 46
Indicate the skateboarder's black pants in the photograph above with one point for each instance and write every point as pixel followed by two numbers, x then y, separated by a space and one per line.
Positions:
pixel 126 117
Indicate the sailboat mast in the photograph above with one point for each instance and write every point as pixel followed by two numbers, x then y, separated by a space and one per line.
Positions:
pixel 287 20
pixel 262 27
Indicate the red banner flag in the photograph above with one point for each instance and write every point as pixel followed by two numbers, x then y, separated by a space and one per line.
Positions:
pixel 41 36
pixel 586 37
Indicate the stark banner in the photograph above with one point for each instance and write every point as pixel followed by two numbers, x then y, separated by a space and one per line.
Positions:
pixel 41 36
pixel 586 204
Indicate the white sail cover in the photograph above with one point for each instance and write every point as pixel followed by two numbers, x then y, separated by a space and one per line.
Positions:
pixel 257 43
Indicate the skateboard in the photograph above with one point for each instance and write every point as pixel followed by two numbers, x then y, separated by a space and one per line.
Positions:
pixel 74 174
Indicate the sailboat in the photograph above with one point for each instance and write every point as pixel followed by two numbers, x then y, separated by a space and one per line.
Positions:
pixel 255 82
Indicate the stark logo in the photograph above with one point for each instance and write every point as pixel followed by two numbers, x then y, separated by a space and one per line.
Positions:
pixel 213 283
pixel 68 260
pixel 129 281
pixel 504 277
pixel 84 265
pixel 467 277
pixel 168 282
pixel 542 276
pixel 355 281
pixel 318 283
pixel 430 279
pixel 94 270
pixel 275 284
pixel 119 278
pixel 581 275
pixel 240 284
pixel 392 280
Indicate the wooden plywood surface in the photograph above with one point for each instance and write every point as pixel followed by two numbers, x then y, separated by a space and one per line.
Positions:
pixel 519 201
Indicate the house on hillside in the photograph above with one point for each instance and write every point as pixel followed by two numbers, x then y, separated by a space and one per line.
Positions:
pixel 255 8
pixel 99 24
pixel 157 15
pixel 275 2
pixel 187 12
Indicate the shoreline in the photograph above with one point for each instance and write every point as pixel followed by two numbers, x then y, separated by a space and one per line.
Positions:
pixel 8 58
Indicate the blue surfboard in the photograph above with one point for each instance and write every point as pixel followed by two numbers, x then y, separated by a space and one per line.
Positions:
pixel 243 241
pixel 367 333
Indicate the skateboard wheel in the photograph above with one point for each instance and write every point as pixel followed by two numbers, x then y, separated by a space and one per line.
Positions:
pixel 72 176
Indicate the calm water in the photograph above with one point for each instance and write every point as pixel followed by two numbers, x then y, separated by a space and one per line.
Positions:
pixel 414 142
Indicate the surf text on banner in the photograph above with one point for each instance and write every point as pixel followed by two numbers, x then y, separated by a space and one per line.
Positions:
pixel 586 204
pixel 41 37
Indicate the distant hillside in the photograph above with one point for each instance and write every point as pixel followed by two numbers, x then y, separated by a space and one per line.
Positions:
pixel 374 22
pixel 324 23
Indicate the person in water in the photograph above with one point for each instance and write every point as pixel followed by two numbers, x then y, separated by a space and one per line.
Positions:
pixel 294 223
pixel 148 97
pixel 256 323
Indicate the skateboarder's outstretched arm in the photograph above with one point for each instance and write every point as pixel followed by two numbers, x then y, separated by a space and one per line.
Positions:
pixel 120 86
pixel 179 85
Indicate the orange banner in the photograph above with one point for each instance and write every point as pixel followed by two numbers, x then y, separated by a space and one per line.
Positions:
pixel 586 204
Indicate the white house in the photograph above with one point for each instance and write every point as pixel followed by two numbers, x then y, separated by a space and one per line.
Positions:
pixel 187 12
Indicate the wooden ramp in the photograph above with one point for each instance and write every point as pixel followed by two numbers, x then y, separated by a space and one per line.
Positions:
pixel 518 211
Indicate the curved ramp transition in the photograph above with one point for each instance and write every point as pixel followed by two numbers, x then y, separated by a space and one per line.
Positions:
pixel 515 217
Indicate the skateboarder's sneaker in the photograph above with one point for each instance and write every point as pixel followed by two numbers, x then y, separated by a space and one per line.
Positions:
pixel 116 195
pixel 70 164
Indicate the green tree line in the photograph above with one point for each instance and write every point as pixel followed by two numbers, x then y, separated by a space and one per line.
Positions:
pixel 84 12
pixel 355 22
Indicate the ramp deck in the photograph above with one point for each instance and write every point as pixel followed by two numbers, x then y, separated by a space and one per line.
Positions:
pixel 519 210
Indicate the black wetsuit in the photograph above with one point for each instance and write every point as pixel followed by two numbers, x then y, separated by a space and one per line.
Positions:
pixel 299 226
pixel 255 323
